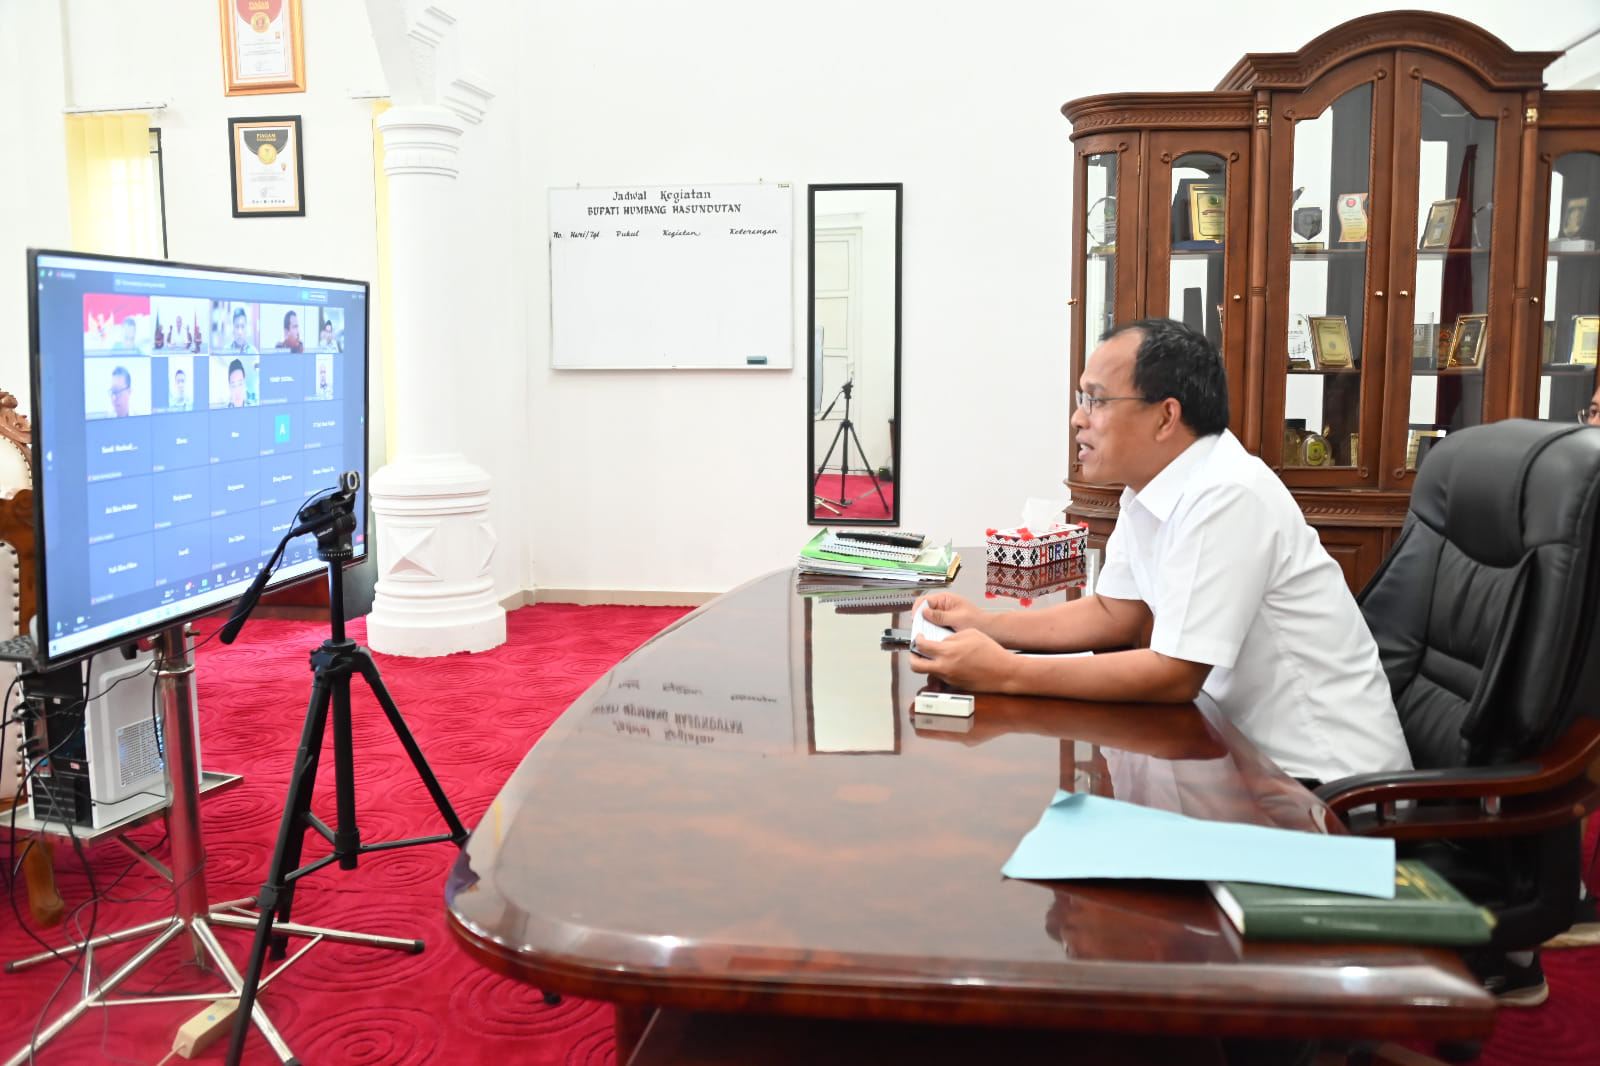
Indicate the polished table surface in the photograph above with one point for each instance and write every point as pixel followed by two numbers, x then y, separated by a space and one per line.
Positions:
pixel 744 816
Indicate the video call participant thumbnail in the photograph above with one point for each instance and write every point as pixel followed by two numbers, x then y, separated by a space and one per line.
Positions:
pixel 233 328
pixel 116 387
pixel 233 382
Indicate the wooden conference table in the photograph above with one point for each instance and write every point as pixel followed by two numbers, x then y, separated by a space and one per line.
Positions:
pixel 743 816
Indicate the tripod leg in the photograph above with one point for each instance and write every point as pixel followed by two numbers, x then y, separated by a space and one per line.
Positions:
pixel 870 472
pixel 369 670
pixel 291 834
pixel 317 719
pixel 823 466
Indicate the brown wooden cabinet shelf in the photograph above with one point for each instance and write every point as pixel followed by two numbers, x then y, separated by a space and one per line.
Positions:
pixel 1346 137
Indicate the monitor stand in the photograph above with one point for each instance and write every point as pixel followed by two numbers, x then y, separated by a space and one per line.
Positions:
pixel 195 915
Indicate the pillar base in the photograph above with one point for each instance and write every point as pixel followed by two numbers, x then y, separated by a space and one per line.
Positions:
pixel 435 594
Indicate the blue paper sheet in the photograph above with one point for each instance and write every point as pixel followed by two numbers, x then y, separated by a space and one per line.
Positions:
pixel 1090 836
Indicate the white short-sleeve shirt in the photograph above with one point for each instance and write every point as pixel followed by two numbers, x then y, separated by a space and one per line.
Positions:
pixel 1219 551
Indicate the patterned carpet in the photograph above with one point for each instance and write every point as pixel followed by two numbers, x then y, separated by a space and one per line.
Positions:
pixel 475 717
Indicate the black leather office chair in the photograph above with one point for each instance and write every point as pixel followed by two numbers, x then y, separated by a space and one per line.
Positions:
pixel 1487 618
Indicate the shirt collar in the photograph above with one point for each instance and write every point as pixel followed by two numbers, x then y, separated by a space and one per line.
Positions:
pixel 1161 494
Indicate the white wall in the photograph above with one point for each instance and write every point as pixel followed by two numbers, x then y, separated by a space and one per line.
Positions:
pixel 694 480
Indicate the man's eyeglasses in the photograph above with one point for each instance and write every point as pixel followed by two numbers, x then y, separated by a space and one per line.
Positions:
pixel 118 391
pixel 1093 403
pixel 1588 414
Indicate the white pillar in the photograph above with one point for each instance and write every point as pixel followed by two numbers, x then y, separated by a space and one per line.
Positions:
pixel 435 594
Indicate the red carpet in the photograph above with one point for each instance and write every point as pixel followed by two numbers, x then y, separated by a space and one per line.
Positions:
pixel 857 489
pixel 475 717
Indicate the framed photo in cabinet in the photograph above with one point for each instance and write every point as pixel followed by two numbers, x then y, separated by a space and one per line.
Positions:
pixel 1441 221
pixel 1467 343
pixel 1547 350
pixel 1585 338
pixel 1330 341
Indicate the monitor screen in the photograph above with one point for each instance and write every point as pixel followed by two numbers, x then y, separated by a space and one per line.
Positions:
pixel 181 416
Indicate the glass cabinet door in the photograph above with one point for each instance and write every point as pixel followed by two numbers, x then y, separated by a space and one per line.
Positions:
pixel 1449 297
pixel 1099 248
pixel 1331 222
pixel 1197 244
pixel 1570 326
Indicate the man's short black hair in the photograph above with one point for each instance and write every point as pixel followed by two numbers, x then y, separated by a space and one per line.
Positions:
pixel 122 372
pixel 238 313
pixel 235 365
pixel 1177 362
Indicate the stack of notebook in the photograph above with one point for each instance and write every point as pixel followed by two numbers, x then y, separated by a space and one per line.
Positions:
pixel 879 556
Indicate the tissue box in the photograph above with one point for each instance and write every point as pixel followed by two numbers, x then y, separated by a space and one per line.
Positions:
pixel 1025 547
pixel 1028 583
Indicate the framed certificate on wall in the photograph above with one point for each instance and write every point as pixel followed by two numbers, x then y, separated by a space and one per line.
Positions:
pixel 268 167
pixel 262 47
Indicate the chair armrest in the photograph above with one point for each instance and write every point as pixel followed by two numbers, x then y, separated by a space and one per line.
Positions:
pixel 1517 797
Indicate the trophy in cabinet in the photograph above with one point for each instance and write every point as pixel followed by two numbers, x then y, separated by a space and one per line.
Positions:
pixel 1101 225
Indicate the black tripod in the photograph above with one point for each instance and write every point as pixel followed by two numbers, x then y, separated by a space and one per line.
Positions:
pixel 331 516
pixel 845 433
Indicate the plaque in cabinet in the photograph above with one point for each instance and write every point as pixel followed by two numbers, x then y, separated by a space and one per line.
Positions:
pixel 1469 340
pixel 1208 213
pixel 1585 338
pixel 1307 224
pixel 1441 221
pixel 1300 343
pixel 1352 217
pixel 1330 341
pixel 1547 351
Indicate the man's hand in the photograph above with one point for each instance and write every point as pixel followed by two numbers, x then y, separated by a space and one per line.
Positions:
pixel 948 609
pixel 967 659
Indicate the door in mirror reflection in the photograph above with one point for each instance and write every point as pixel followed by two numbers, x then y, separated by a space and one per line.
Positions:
pixel 853 403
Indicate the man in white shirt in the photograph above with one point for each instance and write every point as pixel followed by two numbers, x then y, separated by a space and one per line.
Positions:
pixel 1212 580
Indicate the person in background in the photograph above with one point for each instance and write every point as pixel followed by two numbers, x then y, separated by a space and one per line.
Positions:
pixel 330 343
pixel 291 333
pixel 236 396
pixel 179 399
pixel 241 337
pixel 121 385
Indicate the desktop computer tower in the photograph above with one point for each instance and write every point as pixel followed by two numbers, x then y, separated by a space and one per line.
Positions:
pixel 105 760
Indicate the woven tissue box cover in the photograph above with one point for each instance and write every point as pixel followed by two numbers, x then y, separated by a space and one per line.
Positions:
pixel 1025 547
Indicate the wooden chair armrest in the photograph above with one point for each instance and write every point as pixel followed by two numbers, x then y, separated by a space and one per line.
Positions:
pixel 1572 757
pixel 1517 816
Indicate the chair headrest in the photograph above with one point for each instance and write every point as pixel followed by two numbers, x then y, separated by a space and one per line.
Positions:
pixel 1508 486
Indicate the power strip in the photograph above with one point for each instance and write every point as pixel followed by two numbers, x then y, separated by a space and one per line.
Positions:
pixel 201 1031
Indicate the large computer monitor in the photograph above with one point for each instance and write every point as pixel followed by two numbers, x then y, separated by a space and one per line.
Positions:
pixel 181 416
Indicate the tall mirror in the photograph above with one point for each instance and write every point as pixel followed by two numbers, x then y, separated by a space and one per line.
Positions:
pixel 853 403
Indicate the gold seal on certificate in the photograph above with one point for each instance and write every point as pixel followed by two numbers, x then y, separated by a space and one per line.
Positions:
pixel 1352 209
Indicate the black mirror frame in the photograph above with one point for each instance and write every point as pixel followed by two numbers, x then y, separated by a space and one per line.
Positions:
pixel 898 188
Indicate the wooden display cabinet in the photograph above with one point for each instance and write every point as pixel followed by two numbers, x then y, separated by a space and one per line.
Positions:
pixel 1390 234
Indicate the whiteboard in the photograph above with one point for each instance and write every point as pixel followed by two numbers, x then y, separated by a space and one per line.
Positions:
pixel 672 276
